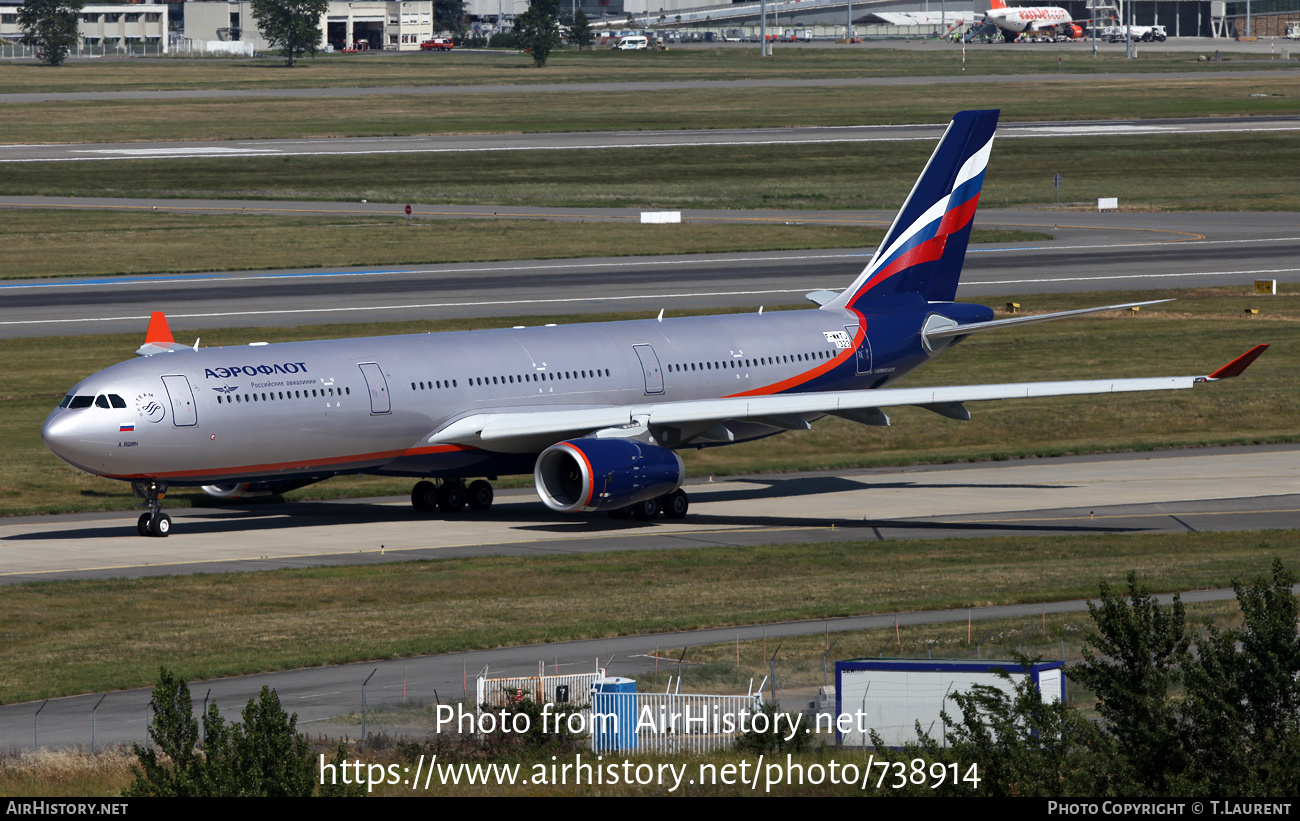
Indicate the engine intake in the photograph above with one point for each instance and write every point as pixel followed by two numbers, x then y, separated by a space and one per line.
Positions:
pixel 605 474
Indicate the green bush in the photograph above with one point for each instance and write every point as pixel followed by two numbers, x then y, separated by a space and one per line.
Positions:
pixel 263 756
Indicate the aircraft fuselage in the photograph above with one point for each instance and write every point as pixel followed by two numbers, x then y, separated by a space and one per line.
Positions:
pixel 316 409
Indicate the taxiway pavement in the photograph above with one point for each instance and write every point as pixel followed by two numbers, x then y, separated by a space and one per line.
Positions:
pixel 1170 491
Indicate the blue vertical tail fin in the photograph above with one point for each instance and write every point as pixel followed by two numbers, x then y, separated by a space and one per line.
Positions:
pixel 925 247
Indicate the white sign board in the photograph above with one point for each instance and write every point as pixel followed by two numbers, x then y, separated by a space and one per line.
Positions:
pixel 660 216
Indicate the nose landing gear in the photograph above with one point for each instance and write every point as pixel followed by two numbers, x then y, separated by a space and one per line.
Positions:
pixel 155 522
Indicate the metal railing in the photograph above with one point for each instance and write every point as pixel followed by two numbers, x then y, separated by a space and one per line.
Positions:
pixel 558 689
pixel 10 50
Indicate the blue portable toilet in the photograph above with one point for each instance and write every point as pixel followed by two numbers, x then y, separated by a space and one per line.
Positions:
pixel 613 713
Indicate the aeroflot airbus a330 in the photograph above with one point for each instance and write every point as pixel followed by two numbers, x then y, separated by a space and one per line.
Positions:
pixel 596 412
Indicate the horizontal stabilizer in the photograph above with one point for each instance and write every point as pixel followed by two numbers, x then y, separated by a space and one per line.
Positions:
pixel 935 330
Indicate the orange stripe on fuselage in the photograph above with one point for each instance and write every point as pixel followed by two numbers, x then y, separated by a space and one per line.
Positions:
pixel 803 378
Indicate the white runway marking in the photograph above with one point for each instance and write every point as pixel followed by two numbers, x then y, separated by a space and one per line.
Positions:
pixel 1030 132
pixel 421 306
pixel 166 152
pixel 1139 276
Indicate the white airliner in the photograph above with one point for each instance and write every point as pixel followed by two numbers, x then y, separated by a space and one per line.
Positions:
pixel 596 413
pixel 1034 19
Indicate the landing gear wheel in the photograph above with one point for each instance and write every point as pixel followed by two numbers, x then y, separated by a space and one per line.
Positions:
pixel 645 511
pixel 621 513
pixel 155 522
pixel 424 497
pixel 160 525
pixel 480 495
pixel 451 497
pixel 675 504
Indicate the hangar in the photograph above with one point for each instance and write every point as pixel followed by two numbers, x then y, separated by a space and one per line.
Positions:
pixel 394 25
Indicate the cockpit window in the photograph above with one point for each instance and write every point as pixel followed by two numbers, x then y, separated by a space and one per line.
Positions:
pixel 104 400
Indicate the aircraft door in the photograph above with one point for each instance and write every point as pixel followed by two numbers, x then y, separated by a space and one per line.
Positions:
pixel 184 414
pixel 862 355
pixel 378 385
pixel 654 375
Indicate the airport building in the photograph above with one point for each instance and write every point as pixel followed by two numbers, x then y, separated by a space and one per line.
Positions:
pixel 393 25
pixel 924 18
pixel 106 28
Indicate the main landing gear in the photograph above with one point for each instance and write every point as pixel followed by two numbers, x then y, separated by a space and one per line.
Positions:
pixel 451 496
pixel 673 505
pixel 154 522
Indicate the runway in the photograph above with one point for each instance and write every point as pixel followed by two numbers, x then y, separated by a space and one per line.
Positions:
pixel 1176 491
pixel 1171 491
pixel 1091 251
pixel 474 143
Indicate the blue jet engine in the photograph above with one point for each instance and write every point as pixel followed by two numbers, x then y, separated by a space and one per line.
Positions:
pixel 605 474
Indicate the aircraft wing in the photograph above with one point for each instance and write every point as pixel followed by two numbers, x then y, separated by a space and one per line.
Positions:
pixel 505 430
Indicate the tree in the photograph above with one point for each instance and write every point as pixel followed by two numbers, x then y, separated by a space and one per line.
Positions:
pixel 773 740
pixel 265 755
pixel 1243 697
pixel 539 29
pixel 175 732
pixel 1143 648
pixel 52 24
pixel 1024 747
pixel 580 33
pixel 449 15
pixel 293 26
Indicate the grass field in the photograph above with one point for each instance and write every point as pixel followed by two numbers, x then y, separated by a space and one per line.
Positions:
pixel 599 65
pixel 249 622
pixel 683 108
pixel 1199 332
pixel 110 242
pixel 1153 172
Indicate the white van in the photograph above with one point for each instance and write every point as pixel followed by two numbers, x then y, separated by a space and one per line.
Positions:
pixel 632 43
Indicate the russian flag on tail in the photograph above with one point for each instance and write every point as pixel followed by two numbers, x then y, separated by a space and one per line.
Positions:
pixel 925 247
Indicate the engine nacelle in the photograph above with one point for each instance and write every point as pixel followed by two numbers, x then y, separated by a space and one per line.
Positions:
pixel 605 474
pixel 254 490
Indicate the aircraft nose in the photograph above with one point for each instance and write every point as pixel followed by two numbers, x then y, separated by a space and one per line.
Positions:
pixel 56 432
pixel 61 434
